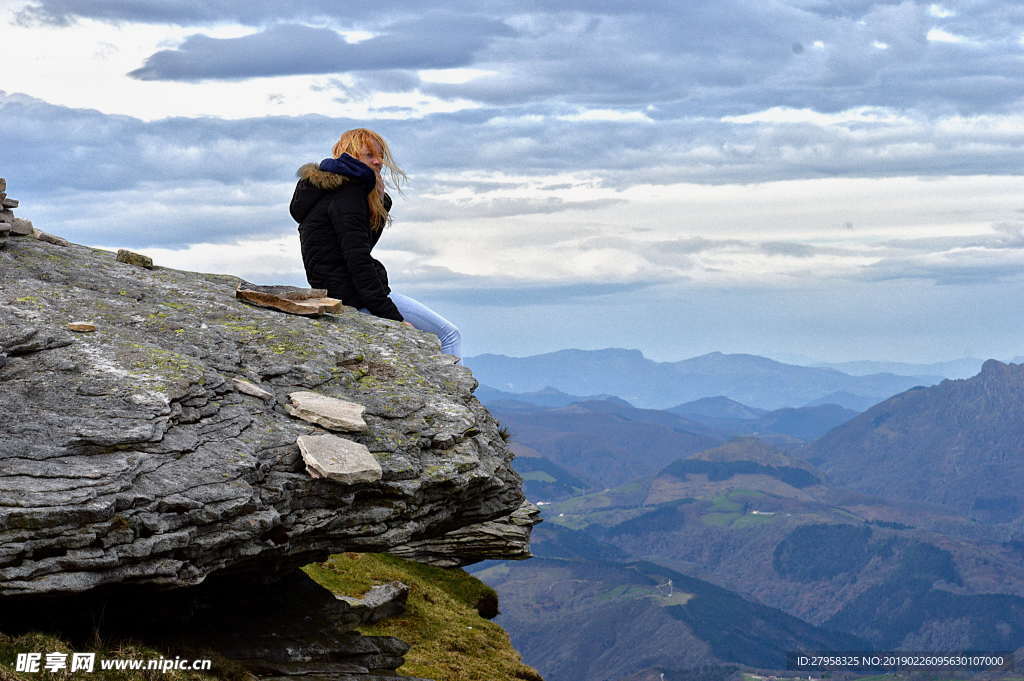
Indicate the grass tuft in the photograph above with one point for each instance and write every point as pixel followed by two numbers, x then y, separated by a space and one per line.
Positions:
pixel 449 638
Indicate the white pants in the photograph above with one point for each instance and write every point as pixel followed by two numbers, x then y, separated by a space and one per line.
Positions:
pixel 425 319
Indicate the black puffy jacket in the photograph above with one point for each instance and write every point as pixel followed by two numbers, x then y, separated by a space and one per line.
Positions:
pixel 336 240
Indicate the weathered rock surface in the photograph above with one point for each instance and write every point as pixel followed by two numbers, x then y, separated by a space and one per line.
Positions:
pixel 130 456
pixel 506 539
pixel 338 459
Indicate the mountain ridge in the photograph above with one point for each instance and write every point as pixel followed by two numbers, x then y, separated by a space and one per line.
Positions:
pixel 748 379
pixel 913 444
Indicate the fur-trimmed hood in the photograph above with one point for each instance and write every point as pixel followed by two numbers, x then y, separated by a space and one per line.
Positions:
pixel 329 175
pixel 321 179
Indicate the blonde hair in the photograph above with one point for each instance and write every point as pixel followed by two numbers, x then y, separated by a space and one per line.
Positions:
pixel 353 142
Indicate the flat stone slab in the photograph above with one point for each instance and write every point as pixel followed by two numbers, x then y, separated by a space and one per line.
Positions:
pixel 21 227
pixel 335 458
pixel 243 386
pixel 290 299
pixel 50 238
pixel 329 412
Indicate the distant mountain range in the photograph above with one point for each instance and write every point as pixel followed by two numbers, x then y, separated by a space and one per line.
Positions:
pixel 603 442
pixel 718 407
pixel 749 379
pixel 595 444
pixel 546 397
pixel 957 368
pixel 719 415
pixel 845 400
pixel 959 444
pixel 731 418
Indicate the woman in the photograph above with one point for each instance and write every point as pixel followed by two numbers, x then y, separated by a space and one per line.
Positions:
pixel 341 208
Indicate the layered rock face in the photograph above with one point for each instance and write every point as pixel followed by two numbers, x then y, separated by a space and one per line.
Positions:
pixel 158 448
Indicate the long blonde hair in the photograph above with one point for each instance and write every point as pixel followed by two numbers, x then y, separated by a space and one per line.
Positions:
pixel 354 142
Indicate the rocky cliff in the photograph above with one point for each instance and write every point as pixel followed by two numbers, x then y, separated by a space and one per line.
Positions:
pixel 150 425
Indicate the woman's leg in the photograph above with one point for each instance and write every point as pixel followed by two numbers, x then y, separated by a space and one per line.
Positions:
pixel 425 319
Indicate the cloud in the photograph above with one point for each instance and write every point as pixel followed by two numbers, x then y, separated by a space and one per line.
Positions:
pixel 92 151
pixel 1008 235
pixel 693 245
pixel 965 260
pixel 269 261
pixel 662 61
pixel 788 248
pixel 61 149
pixel 699 245
pixel 967 266
pixel 446 285
pixel 168 215
pixel 431 210
pixel 924 244
pixel 1004 235
pixel 433 41
pixel 66 12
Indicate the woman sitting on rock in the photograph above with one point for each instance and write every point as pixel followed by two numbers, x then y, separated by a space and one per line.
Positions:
pixel 342 208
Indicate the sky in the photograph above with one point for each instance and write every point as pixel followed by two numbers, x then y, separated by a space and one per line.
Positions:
pixel 809 180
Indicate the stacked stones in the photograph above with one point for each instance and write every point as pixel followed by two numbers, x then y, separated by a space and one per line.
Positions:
pixel 8 223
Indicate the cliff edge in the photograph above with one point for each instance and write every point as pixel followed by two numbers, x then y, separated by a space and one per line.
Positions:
pixel 160 448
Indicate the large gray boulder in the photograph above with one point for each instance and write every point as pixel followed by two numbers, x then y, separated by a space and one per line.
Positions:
pixel 135 454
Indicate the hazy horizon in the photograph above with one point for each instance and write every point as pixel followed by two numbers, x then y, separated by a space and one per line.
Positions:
pixel 799 360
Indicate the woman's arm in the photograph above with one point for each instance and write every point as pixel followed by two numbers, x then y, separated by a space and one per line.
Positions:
pixel 350 218
pixel 303 200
